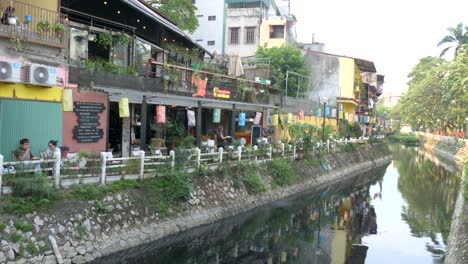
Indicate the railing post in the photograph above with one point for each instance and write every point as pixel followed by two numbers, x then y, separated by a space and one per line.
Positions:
pixel 103 167
pixel 255 152
pixel 294 152
pixel 172 154
pixel 142 164
pixel 328 145
pixel 198 156
pixel 239 152
pixel 1 174
pixel 58 160
pixel 282 150
pixel 221 150
pixel 270 154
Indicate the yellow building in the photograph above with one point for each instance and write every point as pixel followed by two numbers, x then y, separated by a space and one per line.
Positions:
pixel 350 84
pixel 273 32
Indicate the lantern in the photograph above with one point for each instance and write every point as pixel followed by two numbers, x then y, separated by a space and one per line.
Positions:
pixel 257 118
pixel 191 118
pixel 123 108
pixel 290 118
pixel 275 119
pixel 216 115
pixel 160 114
pixel 241 119
pixel 300 114
pixel 67 100
pixel 333 112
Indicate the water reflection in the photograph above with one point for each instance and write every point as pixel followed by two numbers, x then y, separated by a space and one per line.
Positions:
pixel 399 214
pixel 430 194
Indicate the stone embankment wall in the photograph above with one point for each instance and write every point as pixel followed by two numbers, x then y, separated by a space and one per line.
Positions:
pixel 84 232
pixel 457 243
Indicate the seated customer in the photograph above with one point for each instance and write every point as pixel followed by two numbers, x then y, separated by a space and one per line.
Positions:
pixel 23 153
pixel 52 151
pixel 221 138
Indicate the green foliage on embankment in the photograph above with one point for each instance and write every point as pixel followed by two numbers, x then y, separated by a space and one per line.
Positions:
pixel 405 139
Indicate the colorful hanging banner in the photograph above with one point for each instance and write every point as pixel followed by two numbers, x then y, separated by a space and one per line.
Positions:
pixel 275 119
pixel 356 118
pixel 216 115
pixel 334 112
pixel 124 110
pixel 300 115
pixel 341 115
pixel 160 114
pixel 319 111
pixel 350 117
pixel 257 118
pixel 191 118
pixel 346 116
pixel 241 119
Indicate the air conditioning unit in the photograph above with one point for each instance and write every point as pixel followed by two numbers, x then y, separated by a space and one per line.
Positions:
pixel 41 75
pixel 10 71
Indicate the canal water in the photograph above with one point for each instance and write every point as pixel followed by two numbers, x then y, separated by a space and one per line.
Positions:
pixel 399 213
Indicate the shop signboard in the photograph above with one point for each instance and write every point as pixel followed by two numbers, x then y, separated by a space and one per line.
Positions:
pixel 87 130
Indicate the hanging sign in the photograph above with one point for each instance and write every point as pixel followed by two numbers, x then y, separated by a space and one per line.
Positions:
pixel 241 119
pixel 160 114
pixel 123 108
pixel 224 94
pixel 356 118
pixel 341 115
pixel 319 111
pixel 334 112
pixel 350 117
pixel 87 130
pixel 257 118
pixel 216 115
pixel 191 118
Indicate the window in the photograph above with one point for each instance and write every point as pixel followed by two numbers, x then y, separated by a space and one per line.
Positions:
pixel 194 2
pixel 250 35
pixel 211 18
pixel 276 31
pixel 211 42
pixel 199 40
pixel 234 35
pixel 199 15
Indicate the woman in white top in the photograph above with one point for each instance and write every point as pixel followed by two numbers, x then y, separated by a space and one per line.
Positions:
pixel 52 151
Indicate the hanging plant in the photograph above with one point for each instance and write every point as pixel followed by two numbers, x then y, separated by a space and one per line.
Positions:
pixel 104 39
pixel 123 39
pixel 43 27
pixel 59 29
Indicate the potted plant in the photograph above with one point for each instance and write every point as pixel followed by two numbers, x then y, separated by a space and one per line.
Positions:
pixel 43 26
pixel 59 29
pixel 104 39
pixel 83 157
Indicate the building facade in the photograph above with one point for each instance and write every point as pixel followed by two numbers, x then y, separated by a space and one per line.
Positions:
pixel 211 19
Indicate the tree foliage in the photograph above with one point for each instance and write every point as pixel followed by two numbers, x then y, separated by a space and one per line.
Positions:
pixel 181 12
pixel 437 97
pixel 458 37
pixel 283 59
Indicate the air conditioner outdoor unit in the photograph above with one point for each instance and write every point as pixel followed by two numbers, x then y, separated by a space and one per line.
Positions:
pixel 10 71
pixel 41 75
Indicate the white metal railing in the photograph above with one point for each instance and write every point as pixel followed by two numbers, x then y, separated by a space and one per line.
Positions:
pixel 106 169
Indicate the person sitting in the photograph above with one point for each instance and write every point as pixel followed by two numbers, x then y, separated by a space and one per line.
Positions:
pixel 23 152
pixel 52 151
pixel 221 139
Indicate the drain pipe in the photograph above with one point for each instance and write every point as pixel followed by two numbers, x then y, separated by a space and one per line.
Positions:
pixel 58 256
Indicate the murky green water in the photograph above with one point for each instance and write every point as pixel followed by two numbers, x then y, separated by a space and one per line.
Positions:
pixel 395 214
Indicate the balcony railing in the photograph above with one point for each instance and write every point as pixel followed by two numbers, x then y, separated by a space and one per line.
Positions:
pixel 24 22
pixel 177 80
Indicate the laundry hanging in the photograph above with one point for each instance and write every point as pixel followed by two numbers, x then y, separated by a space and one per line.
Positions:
pixel 257 118
pixel 191 118
pixel 216 115
pixel 241 119
pixel 160 114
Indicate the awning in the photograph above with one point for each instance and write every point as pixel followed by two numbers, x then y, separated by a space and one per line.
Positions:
pixel 365 66
pixel 163 21
pixel 347 101
pixel 136 97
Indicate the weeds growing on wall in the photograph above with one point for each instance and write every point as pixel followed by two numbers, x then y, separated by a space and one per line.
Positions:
pixel 348 147
pixel 281 171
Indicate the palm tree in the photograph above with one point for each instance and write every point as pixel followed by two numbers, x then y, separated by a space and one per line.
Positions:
pixel 457 37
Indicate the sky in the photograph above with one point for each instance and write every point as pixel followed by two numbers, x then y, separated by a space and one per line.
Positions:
pixel 394 34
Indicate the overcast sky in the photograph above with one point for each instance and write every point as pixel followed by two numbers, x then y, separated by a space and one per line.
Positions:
pixel 394 34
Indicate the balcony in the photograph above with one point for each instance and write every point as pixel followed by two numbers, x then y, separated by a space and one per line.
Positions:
pixel 23 22
pixel 176 80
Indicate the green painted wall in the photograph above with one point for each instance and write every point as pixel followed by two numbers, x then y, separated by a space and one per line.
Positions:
pixel 38 121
